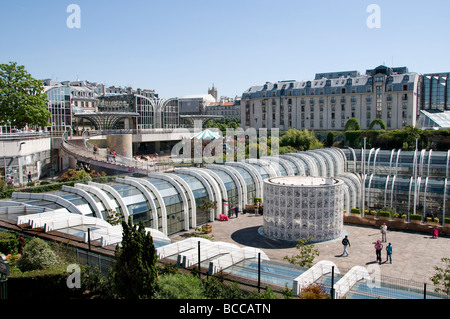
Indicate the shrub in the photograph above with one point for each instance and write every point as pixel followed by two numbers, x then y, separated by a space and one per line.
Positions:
pixel 179 286
pixel 384 213
pixel 416 217
pixel 37 254
pixel 355 211
pixel 433 219
pixel 314 291
pixel 8 242
pixel 447 220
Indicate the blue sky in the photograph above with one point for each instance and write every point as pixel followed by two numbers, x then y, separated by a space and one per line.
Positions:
pixel 182 47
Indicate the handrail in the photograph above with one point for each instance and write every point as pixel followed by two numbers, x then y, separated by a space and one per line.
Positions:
pixel 112 160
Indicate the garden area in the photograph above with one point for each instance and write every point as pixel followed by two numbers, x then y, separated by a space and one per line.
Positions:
pixel 42 270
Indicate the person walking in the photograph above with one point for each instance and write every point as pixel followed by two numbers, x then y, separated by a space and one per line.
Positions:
pixel 383 232
pixel 236 211
pixel 378 248
pixel 389 253
pixel 345 242
pixel 30 177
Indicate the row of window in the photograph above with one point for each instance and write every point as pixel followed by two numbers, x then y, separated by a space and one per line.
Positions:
pixel 342 90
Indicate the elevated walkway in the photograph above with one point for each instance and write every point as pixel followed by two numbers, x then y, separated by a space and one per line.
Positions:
pixel 76 148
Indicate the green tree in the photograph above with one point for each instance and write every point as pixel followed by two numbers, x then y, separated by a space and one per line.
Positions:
pixel 37 254
pixel 352 125
pixel 378 121
pixel 300 139
pixel 307 253
pixel 134 275
pixel 441 278
pixel 22 98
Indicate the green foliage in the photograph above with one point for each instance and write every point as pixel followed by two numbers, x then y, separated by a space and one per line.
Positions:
pixel 74 175
pixel 8 242
pixel 114 218
pixel 134 275
pixel 207 205
pixel 353 138
pixel 223 124
pixel 22 98
pixel 379 122
pixel 286 149
pixel 306 255
pixel 355 211
pixel 352 125
pixel 179 286
pixel 384 213
pixel 416 217
pixel 314 291
pixel 300 139
pixel 5 189
pixel 404 138
pixel 37 254
pixel 216 288
pixel 330 139
pixel 441 278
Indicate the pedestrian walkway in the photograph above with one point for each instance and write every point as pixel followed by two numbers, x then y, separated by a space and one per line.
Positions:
pixel 414 254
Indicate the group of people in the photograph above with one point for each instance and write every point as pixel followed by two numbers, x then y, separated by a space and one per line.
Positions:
pixel 111 156
pixel 83 166
pixel 378 245
pixel 9 180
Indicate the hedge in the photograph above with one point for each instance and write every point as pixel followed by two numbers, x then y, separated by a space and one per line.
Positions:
pixel 416 217
pixel 355 211
pixel 9 243
pixel 385 213
pixel 50 283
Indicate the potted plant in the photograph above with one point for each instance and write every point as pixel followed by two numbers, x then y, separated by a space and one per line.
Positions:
pixel 206 206
pixel 355 212
pixel 433 221
pixel 399 217
pixel 385 215
pixel 369 214
pixel 447 222
pixel 416 218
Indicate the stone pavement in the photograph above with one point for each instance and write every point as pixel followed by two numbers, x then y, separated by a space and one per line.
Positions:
pixel 414 254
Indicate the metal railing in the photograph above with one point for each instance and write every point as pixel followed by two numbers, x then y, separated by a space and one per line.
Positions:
pixel 101 156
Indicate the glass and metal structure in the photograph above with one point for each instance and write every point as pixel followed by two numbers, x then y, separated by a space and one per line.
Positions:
pixel 169 203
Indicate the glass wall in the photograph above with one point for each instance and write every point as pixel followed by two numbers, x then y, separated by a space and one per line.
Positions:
pixel 200 193
pixel 136 203
pixel 231 187
pixel 59 104
pixel 251 184
pixel 173 203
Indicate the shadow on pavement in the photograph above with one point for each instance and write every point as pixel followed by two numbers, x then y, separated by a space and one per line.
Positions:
pixel 252 238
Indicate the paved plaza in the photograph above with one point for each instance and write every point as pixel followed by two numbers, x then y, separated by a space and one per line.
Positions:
pixel 414 254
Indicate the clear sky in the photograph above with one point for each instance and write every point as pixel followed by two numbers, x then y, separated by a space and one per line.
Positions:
pixel 181 47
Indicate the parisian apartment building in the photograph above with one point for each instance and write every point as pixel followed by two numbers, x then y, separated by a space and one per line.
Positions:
pixel 331 99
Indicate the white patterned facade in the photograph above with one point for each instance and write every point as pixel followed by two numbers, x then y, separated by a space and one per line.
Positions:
pixel 298 207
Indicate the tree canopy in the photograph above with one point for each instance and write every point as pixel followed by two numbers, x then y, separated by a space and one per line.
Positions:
pixel 300 139
pixel 134 275
pixel 22 98
pixel 352 125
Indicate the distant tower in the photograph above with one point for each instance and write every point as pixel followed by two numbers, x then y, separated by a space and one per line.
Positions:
pixel 213 92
